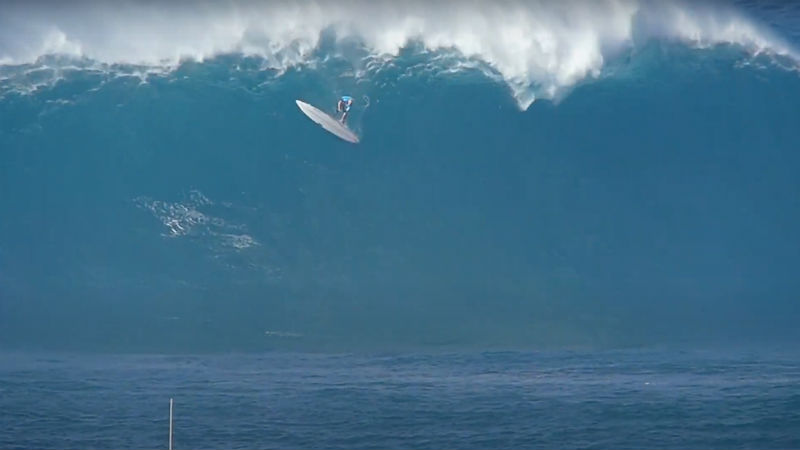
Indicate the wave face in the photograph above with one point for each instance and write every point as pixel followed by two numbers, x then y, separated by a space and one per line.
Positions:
pixel 159 188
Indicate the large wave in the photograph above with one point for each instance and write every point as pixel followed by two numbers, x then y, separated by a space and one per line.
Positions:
pixel 198 207
pixel 540 49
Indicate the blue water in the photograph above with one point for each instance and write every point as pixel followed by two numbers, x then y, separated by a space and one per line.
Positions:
pixel 611 265
pixel 653 399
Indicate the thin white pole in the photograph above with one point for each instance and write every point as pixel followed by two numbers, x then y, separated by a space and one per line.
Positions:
pixel 170 424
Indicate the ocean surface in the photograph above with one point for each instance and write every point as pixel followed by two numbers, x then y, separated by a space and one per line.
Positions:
pixel 609 399
pixel 567 224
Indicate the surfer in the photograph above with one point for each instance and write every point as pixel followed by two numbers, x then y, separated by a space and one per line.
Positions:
pixel 344 107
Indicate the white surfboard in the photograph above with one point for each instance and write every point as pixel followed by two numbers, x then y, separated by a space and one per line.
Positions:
pixel 327 122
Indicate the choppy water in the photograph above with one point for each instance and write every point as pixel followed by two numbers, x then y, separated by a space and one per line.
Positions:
pixel 634 399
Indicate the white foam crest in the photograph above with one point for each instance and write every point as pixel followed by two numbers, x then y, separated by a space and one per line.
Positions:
pixel 539 48
pixel 704 25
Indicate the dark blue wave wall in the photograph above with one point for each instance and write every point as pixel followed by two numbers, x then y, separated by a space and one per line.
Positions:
pixel 201 211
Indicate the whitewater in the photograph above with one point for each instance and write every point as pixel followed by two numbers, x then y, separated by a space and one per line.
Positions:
pixel 539 49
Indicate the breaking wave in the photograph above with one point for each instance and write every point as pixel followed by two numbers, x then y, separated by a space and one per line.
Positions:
pixel 540 49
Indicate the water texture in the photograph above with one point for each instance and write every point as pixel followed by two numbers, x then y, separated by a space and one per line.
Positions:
pixel 540 189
